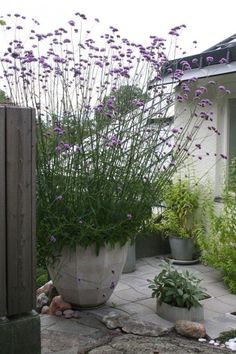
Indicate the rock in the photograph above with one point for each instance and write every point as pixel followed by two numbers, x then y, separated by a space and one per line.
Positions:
pixel 58 304
pixel 41 300
pixel 190 329
pixel 202 340
pixel 45 288
pixel 76 314
pixel 211 341
pixel 58 313
pixel 114 320
pixel 143 328
pixel 133 326
pixel 68 313
pixel 45 310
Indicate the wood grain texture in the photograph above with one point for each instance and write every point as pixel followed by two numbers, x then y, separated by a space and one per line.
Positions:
pixel 20 288
pixel 3 304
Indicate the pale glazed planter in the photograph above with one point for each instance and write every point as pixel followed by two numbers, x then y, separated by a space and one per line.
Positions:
pixel 173 313
pixel 84 279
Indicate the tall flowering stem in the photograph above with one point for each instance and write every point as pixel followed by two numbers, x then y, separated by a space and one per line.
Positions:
pixel 108 141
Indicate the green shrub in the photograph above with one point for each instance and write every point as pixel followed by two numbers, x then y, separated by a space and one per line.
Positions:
pixel 219 247
pixel 180 289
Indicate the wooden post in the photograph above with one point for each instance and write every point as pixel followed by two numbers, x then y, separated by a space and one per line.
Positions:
pixel 3 269
pixel 17 210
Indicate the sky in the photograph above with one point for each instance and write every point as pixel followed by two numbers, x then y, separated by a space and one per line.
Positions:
pixel 207 21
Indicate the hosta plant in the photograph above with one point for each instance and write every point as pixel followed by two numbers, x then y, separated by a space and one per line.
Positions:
pixel 176 288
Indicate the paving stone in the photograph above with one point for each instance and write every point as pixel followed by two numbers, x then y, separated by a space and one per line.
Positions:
pixel 150 303
pixel 216 325
pixel 115 301
pixel 134 308
pixel 134 282
pixel 121 286
pixel 216 289
pixel 228 299
pixel 47 321
pixel 208 314
pixel 105 310
pixel 155 319
pixel 130 295
pixel 214 304
pixel 72 326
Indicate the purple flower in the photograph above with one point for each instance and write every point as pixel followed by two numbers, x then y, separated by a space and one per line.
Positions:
pixel 223 61
pixel 71 23
pixel 175 130
pixel 179 98
pixel 209 60
pixel 129 216
pixel 77 148
pixel 194 60
pixel 52 239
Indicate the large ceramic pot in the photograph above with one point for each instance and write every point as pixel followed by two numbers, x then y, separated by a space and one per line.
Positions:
pixel 173 313
pixel 130 264
pixel 86 279
pixel 181 249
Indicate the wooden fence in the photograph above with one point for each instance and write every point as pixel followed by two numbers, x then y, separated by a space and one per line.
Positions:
pixel 17 210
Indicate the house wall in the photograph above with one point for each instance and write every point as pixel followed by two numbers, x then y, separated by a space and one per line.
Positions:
pixel 212 169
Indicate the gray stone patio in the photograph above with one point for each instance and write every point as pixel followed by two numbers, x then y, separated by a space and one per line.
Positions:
pixel 132 297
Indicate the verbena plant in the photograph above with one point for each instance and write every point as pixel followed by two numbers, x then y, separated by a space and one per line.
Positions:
pixel 176 288
pixel 101 164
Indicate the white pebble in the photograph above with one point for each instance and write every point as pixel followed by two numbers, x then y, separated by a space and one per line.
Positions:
pixel 58 313
pixel 212 341
pixel 216 344
pixel 202 340
pixel 232 346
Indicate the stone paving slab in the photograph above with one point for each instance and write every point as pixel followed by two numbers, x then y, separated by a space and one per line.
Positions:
pixel 133 298
pixel 221 323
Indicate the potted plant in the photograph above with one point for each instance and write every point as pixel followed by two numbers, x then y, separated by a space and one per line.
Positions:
pixel 178 294
pixel 181 219
pixel 103 151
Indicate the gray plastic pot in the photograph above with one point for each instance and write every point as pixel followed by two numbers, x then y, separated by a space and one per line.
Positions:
pixel 181 248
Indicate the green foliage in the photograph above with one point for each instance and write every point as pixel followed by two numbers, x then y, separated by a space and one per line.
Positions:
pixel 180 289
pixel 181 216
pixel 218 247
pixel 225 336
pixel 41 276
pixel 120 103
pixel 3 97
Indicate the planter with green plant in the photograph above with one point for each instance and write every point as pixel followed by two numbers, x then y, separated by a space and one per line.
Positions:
pixel 105 148
pixel 182 218
pixel 178 294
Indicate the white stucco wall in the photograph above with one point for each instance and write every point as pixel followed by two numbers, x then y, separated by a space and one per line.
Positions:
pixel 211 168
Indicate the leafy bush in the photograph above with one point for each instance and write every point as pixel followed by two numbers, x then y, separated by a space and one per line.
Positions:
pixel 219 247
pixel 182 216
pixel 176 288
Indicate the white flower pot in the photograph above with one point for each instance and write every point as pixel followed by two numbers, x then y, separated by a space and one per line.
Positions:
pixel 173 313
pixel 85 279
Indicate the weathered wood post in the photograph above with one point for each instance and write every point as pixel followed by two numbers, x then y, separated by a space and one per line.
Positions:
pixel 19 323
